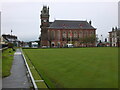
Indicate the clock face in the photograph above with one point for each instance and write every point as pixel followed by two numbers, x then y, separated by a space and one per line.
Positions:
pixel 44 20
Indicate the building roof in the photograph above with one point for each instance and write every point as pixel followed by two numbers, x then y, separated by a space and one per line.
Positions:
pixel 50 23
pixel 118 30
pixel 10 38
pixel 70 24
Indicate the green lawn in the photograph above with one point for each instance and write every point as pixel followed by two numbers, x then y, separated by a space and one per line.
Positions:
pixel 7 58
pixel 77 67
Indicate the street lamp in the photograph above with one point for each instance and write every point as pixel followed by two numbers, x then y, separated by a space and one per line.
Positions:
pixel 102 38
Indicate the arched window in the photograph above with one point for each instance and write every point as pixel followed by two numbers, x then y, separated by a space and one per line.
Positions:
pixel 58 35
pixel 48 34
pixel 45 11
pixel 68 34
pixel 75 34
pixel 52 35
pixel 64 34
pixel 91 32
pixel 80 34
pixel 85 33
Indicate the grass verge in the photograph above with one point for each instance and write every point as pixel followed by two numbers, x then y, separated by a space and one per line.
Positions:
pixel 7 59
pixel 40 84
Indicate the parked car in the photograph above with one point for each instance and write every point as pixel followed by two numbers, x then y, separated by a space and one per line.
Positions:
pixel 44 46
pixel 70 45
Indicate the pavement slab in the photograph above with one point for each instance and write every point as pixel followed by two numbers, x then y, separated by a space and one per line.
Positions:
pixel 18 77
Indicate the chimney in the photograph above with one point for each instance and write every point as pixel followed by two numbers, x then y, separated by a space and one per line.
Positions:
pixel 116 28
pixel 113 29
pixel 90 22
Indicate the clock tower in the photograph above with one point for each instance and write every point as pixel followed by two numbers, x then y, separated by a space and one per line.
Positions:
pixel 44 25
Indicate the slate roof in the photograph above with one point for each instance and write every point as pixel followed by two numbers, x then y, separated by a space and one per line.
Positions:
pixel 10 38
pixel 50 23
pixel 70 24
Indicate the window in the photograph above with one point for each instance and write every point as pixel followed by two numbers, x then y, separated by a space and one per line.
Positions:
pixel 86 33
pixel 48 35
pixel 64 34
pixel 80 34
pixel 58 35
pixel 69 34
pixel 52 35
pixel 75 34
pixel 44 11
pixel 44 20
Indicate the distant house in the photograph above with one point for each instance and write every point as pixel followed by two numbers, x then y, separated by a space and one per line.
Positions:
pixel 114 37
pixel 11 39
pixel 3 42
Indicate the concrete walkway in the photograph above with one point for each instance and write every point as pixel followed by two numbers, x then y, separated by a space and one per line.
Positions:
pixel 18 77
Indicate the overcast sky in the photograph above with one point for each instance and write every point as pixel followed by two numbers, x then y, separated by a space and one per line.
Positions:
pixel 24 17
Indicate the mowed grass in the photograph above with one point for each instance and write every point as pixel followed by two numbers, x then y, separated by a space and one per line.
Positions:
pixel 7 59
pixel 77 67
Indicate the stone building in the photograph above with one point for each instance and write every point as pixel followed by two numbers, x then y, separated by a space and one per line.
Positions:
pixel 114 37
pixel 62 32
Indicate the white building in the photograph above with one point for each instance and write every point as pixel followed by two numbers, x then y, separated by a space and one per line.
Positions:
pixel 114 37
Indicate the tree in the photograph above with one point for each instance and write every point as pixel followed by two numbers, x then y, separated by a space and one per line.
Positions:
pixel 105 39
pixel 84 40
pixel 10 45
pixel 93 39
pixel 88 40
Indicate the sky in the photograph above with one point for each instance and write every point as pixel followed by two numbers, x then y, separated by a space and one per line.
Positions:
pixel 23 17
pixel 119 14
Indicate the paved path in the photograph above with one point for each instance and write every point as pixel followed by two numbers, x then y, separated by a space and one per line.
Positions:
pixel 18 78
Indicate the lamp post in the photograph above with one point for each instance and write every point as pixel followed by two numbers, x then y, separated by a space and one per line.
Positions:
pixel 102 38
pixel 11 35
